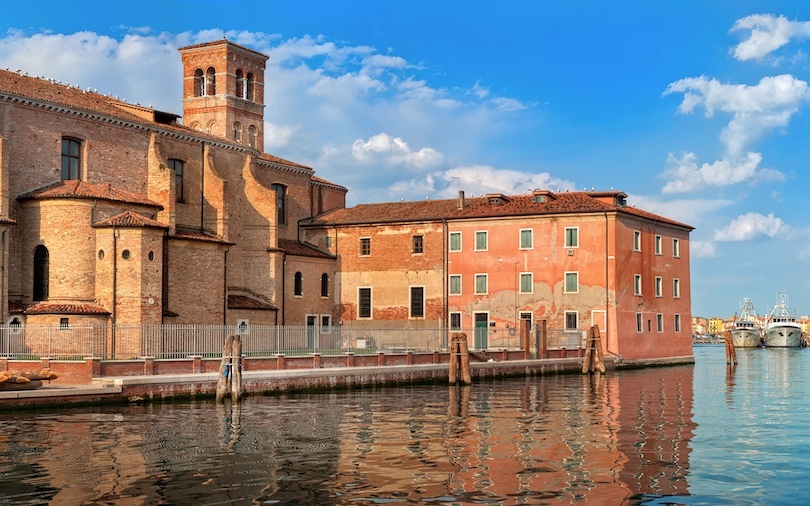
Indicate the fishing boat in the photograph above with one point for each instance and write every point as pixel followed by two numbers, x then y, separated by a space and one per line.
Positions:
pixel 781 328
pixel 746 331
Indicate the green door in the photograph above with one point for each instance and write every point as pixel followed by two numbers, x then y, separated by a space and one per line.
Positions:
pixel 481 329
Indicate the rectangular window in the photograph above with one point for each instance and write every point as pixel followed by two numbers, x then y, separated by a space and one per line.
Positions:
pixel 571 282
pixel 455 322
pixel 676 248
pixel 455 284
pixel 572 237
pixel 71 158
pixel 64 323
pixel 417 302
pixel 676 288
pixel 636 240
pixel 639 323
pixel 481 284
pixel 677 323
pixel 326 323
pixel 659 322
pixel 571 320
pixel 416 244
pixel 281 202
pixel 364 302
pixel 177 167
pixel 659 245
pixel 526 282
pixel 527 239
pixel 455 241
pixel 328 241
pixel 659 286
pixel 637 284
pixel 481 241
pixel 365 246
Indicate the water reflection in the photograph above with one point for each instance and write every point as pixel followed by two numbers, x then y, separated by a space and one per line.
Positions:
pixel 619 438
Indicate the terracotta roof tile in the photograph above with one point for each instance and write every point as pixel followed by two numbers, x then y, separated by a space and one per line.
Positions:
pixel 300 249
pixel 75 189
pixel 322 181
pixel 51 308
pixel 129 219
pixel 246 302
pixel 479 207
pixel 198 236
pixel 16 306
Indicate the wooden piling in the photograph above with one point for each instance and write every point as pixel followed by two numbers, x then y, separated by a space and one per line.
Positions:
pixel 236 369
pixel 594 360
pixel 731 353
pixel 459 360
pixel 224 379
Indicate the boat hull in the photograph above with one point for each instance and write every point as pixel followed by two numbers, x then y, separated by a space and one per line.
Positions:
pixel 745 338
pixel 780 336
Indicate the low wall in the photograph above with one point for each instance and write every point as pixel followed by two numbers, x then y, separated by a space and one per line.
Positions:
pixel 271 382
pixel 84 372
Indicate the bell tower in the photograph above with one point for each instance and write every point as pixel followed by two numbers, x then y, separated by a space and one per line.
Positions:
pixel 223 91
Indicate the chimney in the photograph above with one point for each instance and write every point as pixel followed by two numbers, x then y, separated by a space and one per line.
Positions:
pixel 461 199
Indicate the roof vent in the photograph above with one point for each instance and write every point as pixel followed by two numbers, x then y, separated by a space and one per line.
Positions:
pixel 497 199
pixel 542 196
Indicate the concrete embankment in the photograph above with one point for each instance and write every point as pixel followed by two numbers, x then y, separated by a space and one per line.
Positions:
pixel 123 389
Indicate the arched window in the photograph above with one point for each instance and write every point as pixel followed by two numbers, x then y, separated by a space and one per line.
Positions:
pixel 250 86
pixel 237 131
pixel 210 81
pixel 199 83
pixel 196 126
pixel 71 158
pixel 324 285
pixel 298 285
pixel 252 136
pixel 240 83
pixel 211 128
pixel 177 167
pixel 40 273
pixel 281 203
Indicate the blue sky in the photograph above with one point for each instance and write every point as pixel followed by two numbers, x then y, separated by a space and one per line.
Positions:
pixel 697 110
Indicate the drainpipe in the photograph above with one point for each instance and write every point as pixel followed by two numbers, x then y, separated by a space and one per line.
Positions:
pixel 114 287
pixel 202 186
pixel 225 288
pixel 3 277
pixel 283 284
pixel 445 269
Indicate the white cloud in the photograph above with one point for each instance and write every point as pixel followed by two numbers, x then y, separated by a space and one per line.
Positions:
pixel 751 225
pixel 768 33
pixel 686 176
pixel 395 151
pixel 483 179
pixel 690 211
pixel 278 136
pixel 755 109
pixel 702 249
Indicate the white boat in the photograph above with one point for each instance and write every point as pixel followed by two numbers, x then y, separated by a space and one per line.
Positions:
pixel 781 328
pixel 746 331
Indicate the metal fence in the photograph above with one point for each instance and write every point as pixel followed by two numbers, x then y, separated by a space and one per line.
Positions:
pixel 181 341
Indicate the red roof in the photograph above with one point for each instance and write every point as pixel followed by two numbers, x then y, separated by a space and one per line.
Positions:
pixel 300 249
pixel 246 302
pixel 16 306
pixel 129 219
pixel 73 309
pixel 75 189
pixel 198 236
pixel 480 207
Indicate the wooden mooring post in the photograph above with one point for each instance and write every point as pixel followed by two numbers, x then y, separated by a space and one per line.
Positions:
pixel 459 360
pixel 594 360
pixel 230 370
pixel 731 353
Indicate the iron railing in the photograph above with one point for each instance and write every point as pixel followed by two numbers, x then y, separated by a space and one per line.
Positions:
pixel 182 341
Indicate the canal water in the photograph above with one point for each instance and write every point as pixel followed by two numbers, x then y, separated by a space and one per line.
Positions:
pixel 702 434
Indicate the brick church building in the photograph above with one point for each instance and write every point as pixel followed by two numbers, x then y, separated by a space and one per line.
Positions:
pixel 116 214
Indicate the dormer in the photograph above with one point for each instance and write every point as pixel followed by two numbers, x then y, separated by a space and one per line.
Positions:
pixel 542 196
pixel 497 199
